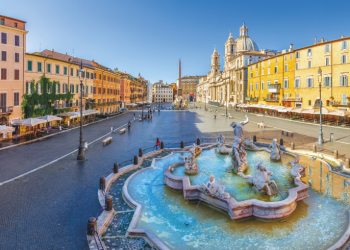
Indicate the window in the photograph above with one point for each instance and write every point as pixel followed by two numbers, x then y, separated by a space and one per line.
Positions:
pixel 92 89
pixel 327 81
pixel 3 38
pixel 91 76
pixel 57 69
pixel 309 64
pixel 104 78
pixel 276 60
pixel 2 21
pixel 344 45
pixel 269 62
pixel 297 54
pixel 268 71
pixel 251 86
pixel 77 89
pixel 262 96
pixel 290 56
pixel 16 40
pixel 94 75
pixel 77 75
pixel 262 64
pixel 343 58
pixel 15 24
pixel 310 82
pixel 16 74
pixel 286 67
pixel 87 75
pixel 276 69
pixel 344 99
pixel 100 76
pixel 327 61
pixel 297 65
pixel 344 81
pixel 285 84
pixel 256 66
pixel 65 70
pixel 48 68
pixel 16 57
pixel 285 58
pixel 309 52
pixel 251 74
pixel 29 67
pixel 297 83
pixel 15 99
pixel 262 85
pixel 327 48
pixel 256 86
pixel 3 55
pixel 72 89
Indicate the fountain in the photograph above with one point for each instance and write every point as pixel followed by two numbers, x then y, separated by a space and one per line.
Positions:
pixel 276 152
pixel 220 144
pixel 214 188
pixel 239 155
pixel 249 145
pixel 190 160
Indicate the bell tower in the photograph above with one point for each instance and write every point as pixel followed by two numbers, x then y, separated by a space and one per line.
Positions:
pixel 215 63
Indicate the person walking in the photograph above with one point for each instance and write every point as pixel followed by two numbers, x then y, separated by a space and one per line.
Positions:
pixel 157 143
pixel 215 116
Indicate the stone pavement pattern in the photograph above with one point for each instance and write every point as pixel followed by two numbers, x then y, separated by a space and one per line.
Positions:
pixel 49 208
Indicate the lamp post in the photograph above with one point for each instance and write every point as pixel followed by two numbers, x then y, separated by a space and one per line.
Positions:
pixel 320 135
pixel 205 101
pixel 226 98
pixel 81 156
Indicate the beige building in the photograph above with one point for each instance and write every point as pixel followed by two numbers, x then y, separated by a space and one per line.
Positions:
pixel 12 84
pixel 64 69
pixel 189 84
pixel 162 92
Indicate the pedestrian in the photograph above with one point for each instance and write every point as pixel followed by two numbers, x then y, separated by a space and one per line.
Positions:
pixel 215 116
pixel 60 128
pixel 157 143
pixel 134 116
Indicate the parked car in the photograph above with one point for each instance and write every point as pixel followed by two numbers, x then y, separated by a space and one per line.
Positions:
pixel 124 110
pixel 148 105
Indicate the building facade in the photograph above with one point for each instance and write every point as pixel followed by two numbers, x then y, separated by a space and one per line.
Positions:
pixel 291 79
pixel 12 80
pixel 149 92
pixel 163 93
pixel 189 84
pixel 106 89
pixel 229 85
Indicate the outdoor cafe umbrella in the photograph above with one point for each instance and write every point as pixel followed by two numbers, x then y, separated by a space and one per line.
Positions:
pixel 317 111
pixel 30 122
pixel 71 116
pixel 50 118
pixel 6 129
pixel 90 112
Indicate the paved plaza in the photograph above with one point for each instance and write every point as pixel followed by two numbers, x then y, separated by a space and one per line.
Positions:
pixel 48 208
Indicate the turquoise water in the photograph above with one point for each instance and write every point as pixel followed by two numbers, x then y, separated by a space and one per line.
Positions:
pixel 317 223
pixel 209 162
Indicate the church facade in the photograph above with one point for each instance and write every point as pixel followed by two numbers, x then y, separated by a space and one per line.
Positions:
pixel 230 85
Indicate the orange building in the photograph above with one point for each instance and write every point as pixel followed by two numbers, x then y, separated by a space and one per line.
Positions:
pixel 106 90
pixel 125 92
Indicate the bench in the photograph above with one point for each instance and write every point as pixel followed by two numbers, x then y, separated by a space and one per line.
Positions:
pixel 287 132
pixel 222 114
pixel 107 141
pixel 230 116
pixel 122 131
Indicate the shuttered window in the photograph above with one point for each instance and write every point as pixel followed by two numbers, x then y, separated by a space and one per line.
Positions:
pixel 71 72
pixel 15 99
pixel 310 82
pixel 327 81
pixel 3 74
pixel 49 68
pixel 344 45
pixel 16 57
pixel 65 70
pixel 297 83
pixel 343 58
pixel 3 38
pixel 285 84
pixel 3 55
pixel 16 40
pixel 343 81
pixel 77 89
pixel 30 66
pixel 39 66
pixel 16 74
pixel 57 69
pixel 344 99
pixel 327 48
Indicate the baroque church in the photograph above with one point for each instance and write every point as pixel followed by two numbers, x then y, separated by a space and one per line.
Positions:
pixel 229 87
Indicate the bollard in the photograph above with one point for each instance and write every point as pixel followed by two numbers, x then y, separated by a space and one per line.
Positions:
pixel 254 138
pixel 331 139
pixel 140 152
pixel 335 154
pixel 102 183
pixel 198 141
pixel 112 129
pixel 347 163
pixel 109 203
pixel 116 168
pixel 136 160
pixel 281 141
pixel 182 144
pixel 314 148
pixel 162 145
pixel 292 146
pixel 91 226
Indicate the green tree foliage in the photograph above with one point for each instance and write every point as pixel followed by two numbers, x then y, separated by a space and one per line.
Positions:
pixel 39 104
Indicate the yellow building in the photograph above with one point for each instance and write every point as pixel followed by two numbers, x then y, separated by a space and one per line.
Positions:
pixel 291 79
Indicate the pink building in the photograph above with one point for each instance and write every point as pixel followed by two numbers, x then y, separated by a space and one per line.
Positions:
pixel 12 84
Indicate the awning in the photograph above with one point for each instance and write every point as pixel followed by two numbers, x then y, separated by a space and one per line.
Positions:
pixel 90 112
pixel 71 116
pixel 6 129
pixel 30 122
pixel 50 118
pixel 131 104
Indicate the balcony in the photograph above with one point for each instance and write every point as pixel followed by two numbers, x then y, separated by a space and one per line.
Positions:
pixel 73 105
pixel 292 99
pixel 269 99
pixel 60 105
pixel 6 110
pixel 339 103
pixel 252 99
pixel 274 88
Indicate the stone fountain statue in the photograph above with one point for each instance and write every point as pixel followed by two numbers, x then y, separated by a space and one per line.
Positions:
pixel 220 144
pixel 276 153
pixel 297 169
pixel 191 167
pixel 239 156
pixel 214 188
pixel 261 181
pixel 249 145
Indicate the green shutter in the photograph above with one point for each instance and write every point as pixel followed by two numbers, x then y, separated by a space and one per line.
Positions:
pixel 59 88
pixel 31 87
pixel 77 89
pixel 29 65
pixel 49 68
pixel 341 83
pixel 324 81
pixel 72 89
pixel 65 70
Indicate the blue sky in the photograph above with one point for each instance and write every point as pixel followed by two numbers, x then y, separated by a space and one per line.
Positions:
pixel 150 36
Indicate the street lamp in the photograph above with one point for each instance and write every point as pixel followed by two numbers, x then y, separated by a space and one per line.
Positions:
pixel 226 98
pixel 81 156
pixel 320 135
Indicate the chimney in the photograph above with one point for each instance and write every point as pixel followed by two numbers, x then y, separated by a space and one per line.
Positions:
pixel 322 40
pixel 291 47
pixel 342 36
pixel 315 41
pixel 53 50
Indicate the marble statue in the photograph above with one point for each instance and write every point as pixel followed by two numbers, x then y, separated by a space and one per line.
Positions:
pixel 214 188
pixel 220 144
pixel 239 156
pixel 276 153
pixel 249 144
pixel 297 169
pixel 191 167
pixel 261 181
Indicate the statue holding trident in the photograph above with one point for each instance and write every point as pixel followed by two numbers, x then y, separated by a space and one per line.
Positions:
pixel 239 156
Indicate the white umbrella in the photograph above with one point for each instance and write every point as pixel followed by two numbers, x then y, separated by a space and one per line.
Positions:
pixel 30 122
pixel 77 113
pixel 131 104
pixel 71 116
pixel 338 112
pixel 50 118
pixel 6 129
pixel 90 112
pixel 286 109
pixel 317 111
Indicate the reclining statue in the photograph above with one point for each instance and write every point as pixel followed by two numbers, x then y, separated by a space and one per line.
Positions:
pixel 276 153
pixel 261 181
pixel 249 145
pixel 239 156
pixel 220 144
pixel 214 188
pixel 297 169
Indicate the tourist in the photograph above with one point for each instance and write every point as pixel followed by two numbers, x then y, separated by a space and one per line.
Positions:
pixel 157 143
pixel 60 128
pixel 215 116
pixel 134 116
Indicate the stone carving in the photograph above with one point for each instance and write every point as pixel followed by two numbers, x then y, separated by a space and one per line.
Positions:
pixel 297 169
pixel 190 160
pixel 214 188
pixel 249 145
pixel 239 156
pixel 276 153
pixel 261 181
pixel 220 144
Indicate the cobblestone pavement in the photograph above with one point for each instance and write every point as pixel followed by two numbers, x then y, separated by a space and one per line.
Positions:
pixel 49 208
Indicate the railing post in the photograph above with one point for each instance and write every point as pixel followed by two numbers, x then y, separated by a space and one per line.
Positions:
pixel 116 168
pixel 102 183
pixel 314 148
pixel 254 138
pixel 140 152
pixel 136 160
pixel 281 141
pixel 162 145
pixel 335 154
pixel 182 144
pixel 109 202
pixel 198 141
pixel 91 225
pixel 292 146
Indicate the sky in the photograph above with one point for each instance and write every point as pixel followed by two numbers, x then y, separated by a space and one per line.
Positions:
pixel 149 37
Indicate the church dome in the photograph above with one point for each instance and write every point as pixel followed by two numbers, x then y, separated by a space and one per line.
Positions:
pixel 244 43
